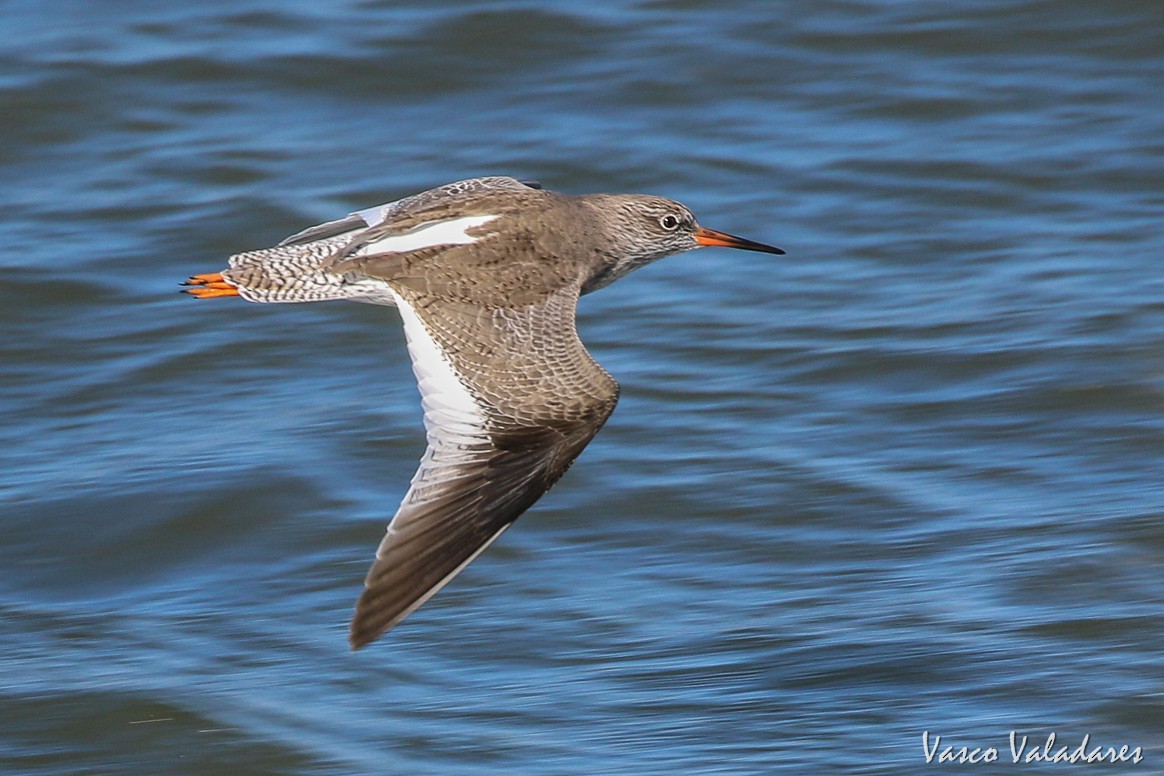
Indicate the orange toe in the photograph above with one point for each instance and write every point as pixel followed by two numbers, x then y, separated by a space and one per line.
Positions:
pixel 209 285
pixel 210 291
pixel 204 279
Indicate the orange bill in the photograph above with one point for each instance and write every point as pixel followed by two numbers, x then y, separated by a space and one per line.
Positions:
pixel 711 237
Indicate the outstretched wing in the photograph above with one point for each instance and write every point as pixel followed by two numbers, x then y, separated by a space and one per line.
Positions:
pixel 300 268
pixel 496 440
pixel 374 216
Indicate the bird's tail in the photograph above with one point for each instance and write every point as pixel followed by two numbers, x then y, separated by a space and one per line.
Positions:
pixel 285 273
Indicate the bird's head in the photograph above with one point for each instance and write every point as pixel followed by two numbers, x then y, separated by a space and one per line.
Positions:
pixel 640 229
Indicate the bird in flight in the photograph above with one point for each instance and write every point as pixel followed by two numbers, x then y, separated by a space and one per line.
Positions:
pixel 486 275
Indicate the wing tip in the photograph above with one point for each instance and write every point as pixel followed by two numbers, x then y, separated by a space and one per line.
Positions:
pixel 370 623
pixel 361 634
pixel 357 641
pixel 363 630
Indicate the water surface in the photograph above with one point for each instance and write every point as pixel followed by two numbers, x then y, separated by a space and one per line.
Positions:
pixel 906 478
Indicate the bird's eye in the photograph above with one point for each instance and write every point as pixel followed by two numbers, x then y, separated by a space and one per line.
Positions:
pixel 669 222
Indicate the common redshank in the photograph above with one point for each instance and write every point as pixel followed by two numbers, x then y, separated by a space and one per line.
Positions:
pixel 486 274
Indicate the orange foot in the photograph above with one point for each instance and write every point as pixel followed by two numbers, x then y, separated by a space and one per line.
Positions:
pixel 209 286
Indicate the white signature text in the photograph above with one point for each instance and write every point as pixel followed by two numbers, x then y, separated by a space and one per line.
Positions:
pixel 1022 749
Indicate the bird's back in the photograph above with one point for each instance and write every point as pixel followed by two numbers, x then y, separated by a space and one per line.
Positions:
pixel 317 264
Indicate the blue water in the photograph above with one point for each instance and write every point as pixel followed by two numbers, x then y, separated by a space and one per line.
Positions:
pixel 906 478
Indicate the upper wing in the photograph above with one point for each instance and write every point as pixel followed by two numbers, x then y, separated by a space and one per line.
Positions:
pixel 302 267
pixel 374 216
pixel 496 441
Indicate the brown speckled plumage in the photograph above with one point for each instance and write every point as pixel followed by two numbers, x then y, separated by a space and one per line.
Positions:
pixel 487 273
